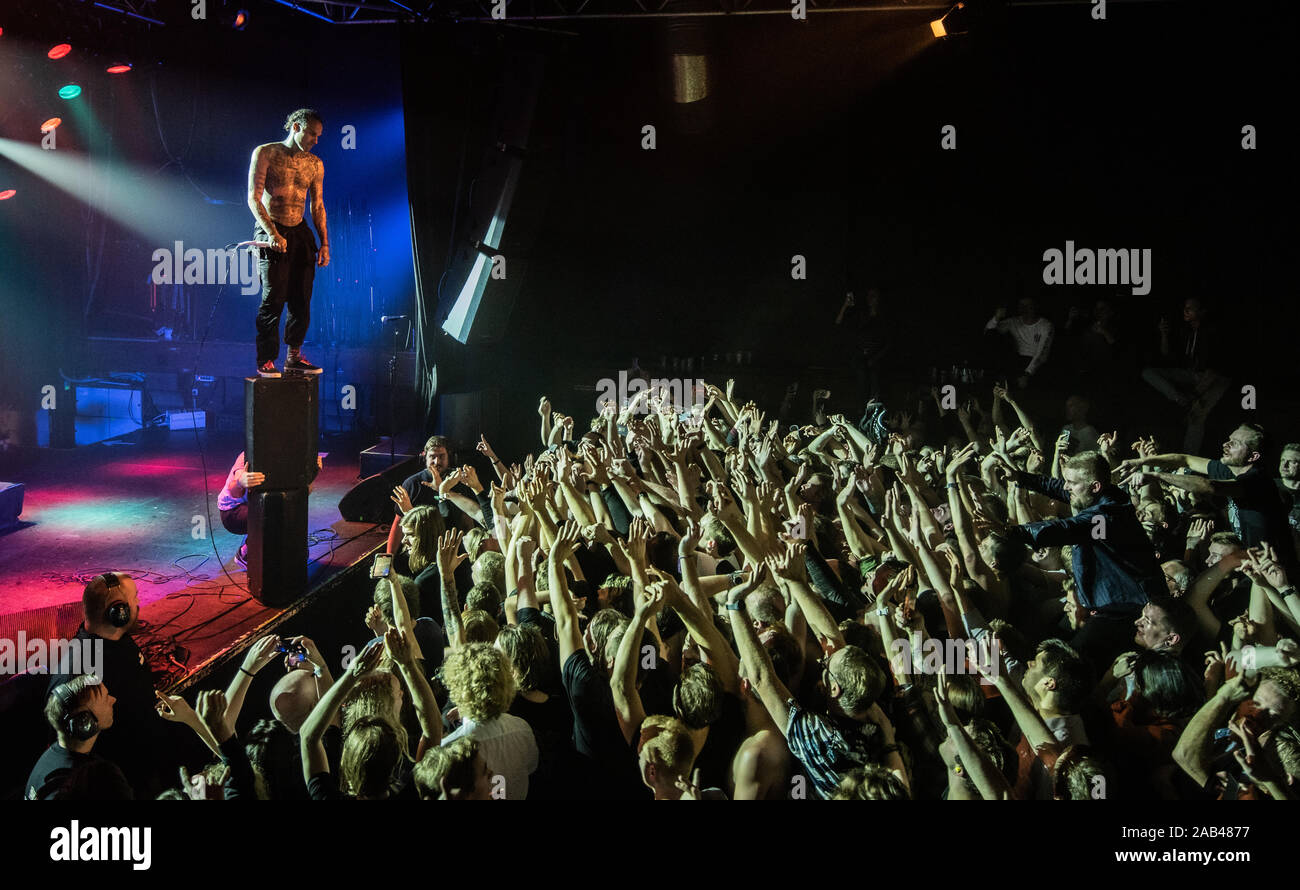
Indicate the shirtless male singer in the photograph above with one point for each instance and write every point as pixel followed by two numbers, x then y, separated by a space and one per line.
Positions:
pixel 279 180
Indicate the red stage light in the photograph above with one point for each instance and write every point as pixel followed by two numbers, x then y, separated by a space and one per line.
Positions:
pixel 51 124
pixel 7 194
pixel 118 69
pixel 59 51
pixel 241 19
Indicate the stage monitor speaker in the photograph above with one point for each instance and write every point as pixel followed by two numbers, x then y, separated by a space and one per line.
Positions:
pixel 277 545
pixel 371 499
pixel 11 503
pixel 280 429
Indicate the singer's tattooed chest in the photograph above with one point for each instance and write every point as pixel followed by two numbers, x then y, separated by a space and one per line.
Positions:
pixel 288 177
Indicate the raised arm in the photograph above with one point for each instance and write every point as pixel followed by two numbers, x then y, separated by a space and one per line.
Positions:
pixel 760 674
pixel 400 646
pixel 1194 751
pixel 988 779
pixel 258 656
pixel 567 631
pixel 449 558
pixel 314 761
pixel 622 682
pixel 791 574
pixel 699 624
pixel 544 410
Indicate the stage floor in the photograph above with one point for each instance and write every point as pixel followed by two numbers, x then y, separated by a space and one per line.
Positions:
pixel 137 506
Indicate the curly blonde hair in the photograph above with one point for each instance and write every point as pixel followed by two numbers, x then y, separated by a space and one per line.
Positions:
pixel 480 681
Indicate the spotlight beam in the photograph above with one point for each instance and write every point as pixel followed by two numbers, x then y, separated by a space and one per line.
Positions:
pixel 132 196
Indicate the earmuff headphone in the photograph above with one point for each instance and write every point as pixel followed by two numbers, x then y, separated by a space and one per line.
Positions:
pixel 82 725
pixel 118 612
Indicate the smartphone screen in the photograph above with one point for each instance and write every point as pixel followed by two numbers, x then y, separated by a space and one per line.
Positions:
pixel 383 565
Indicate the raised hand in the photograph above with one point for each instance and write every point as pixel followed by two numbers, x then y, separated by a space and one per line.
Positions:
pixel 597 534
pixel 638 535
pixel 212 712
pixel 402 499
pixel 1018 438
pixel 449 556
pixel 788 564
pixel 375 621
pixel 1272 570
pixel 175 709
pixel 399 647
pixel 566 539
pixel 261 653
pixel 544 406
pixel 652 599
pixel 367 659
pixel 721 503
pixel 690 540
pixel 960 459
pixel 1035 461
pixel 469 476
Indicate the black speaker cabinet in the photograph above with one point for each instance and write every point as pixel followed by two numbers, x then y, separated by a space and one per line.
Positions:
pixel 280 429
pixel 277 545
pixel 371 499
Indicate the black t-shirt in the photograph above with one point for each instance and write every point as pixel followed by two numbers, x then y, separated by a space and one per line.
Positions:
pixel 139 738
pixel 596 733
pixel 552 724
pixel 1256 510
pixel 53 769
pixel 1291 499
pixel 424 496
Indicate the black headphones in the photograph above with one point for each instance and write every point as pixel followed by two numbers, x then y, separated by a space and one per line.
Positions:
pixel 118 612
pixel 82 725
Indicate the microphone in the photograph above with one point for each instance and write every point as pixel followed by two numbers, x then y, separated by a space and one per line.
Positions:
pixel 384 319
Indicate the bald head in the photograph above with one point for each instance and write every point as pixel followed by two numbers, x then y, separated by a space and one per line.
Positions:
pixel 293 698
pixel 110 605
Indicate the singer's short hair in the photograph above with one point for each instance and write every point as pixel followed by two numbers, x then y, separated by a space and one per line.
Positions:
pixel 303 116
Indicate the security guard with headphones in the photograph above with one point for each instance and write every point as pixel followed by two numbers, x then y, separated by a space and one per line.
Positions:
pixel 110 615
pixel 78 711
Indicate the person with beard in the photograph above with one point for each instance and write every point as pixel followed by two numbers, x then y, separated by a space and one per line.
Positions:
pixel 1114 566
pixel 1256 510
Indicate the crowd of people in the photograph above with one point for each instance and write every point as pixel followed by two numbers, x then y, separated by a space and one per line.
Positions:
pixel 680 598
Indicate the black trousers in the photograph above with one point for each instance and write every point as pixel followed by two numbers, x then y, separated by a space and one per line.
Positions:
pixel 236 520
pixel 286 280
